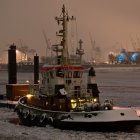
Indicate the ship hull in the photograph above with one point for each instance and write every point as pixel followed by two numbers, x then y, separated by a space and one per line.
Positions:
pixel 102 120
pixel 99 126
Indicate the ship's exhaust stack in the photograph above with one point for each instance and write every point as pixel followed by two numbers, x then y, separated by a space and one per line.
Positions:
pixel 36 69
pixel 92 85
pixel 12 66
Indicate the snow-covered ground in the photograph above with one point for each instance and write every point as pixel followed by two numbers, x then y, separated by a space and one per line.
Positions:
pixel 120 84
pixel 11 131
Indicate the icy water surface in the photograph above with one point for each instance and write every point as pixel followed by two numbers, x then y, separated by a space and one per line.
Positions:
pixel 120 84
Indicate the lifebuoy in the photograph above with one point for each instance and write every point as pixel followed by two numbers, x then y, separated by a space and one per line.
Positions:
pixel 50 120
pixel 33 116
pixel 18 111
pixel 42 118
pixel 26 114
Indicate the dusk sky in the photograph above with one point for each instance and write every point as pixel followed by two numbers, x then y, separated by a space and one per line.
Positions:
pixel 111 23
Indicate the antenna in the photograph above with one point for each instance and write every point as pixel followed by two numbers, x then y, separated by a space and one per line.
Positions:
pixel 63 20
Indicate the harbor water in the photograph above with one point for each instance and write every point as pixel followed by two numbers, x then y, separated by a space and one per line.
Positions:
pixel 122 84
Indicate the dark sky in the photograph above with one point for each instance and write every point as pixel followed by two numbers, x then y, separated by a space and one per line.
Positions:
pixel 112 23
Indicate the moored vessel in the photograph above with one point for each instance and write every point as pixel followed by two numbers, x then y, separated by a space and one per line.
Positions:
pixel 65 100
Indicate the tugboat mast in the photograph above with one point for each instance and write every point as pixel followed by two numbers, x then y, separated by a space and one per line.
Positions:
pixel 63 33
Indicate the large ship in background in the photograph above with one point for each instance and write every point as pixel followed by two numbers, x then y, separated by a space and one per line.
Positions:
pixel 125 57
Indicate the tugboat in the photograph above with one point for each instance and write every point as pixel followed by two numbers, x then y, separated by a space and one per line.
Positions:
pixel 66 102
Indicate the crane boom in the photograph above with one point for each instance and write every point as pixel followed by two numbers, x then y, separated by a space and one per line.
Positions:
pixel 46 39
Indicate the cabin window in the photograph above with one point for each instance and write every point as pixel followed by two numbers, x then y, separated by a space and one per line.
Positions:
pixel 48 80
pixel 76 74
pixel 46 75
pixel 43 81
pixel 69 74
pixel 51 74
pixel 77 91
pixel 60 73
pixel 42 74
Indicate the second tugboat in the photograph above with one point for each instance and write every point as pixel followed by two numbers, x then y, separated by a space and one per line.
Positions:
pixel 66 102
